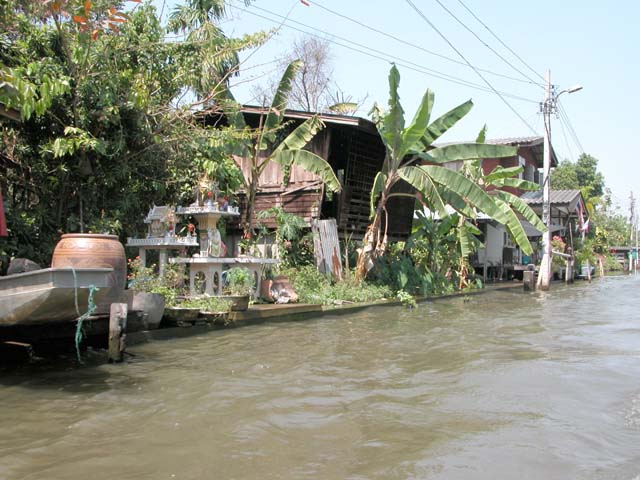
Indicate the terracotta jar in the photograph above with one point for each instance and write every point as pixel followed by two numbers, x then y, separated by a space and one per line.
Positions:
pixel 88 250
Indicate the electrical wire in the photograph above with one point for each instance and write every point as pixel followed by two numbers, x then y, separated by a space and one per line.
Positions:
pixel 423 16
pixel 416 46
pixel 380 55
pixel 501 42
pixel 566 141
pixel 495 52
pixel 565 118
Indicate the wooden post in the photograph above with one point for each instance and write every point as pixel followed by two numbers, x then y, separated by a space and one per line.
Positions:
pixel 568 275
pixel 117 328
pixel 569 262
pixel 529 280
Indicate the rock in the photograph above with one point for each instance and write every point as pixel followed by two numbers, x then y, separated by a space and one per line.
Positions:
pixel 22 265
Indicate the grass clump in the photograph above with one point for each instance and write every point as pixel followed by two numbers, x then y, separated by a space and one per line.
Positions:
pixel 207 304
pixel 315 287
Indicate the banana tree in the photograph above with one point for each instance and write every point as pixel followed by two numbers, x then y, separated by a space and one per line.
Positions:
pixel 263 145
pixel 511 205
pixel 407 149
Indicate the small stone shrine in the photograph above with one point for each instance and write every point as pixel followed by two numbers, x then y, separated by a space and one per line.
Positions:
pixel 161 221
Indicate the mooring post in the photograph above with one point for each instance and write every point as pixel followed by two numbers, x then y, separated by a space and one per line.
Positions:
pixel 529 278
pixel 569 262
pixel 117 328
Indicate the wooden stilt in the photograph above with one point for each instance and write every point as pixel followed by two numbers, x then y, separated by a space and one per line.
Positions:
pixel 117 328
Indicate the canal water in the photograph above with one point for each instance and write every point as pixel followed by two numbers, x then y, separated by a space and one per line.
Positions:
pixel 501 385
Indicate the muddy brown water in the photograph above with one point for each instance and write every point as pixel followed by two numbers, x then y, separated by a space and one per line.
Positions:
pixel 502 385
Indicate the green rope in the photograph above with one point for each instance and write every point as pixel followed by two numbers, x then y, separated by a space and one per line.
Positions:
pixel 91 306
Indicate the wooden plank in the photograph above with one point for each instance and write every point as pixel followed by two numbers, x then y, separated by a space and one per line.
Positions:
pixel 117 328
pixel 327 247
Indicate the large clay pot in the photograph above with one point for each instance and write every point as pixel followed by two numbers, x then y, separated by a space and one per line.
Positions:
pixel 88 250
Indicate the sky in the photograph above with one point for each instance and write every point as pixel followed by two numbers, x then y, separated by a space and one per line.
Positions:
pixel 587 42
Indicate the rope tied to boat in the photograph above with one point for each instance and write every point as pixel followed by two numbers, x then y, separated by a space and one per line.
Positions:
pixel 91 307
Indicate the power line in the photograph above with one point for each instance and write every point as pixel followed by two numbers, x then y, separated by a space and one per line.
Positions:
pixel 422 15
pixel 380 55
pixel 497 54
pixel 410 44
pixel 566 141
pixel 565 118
pixel 499 40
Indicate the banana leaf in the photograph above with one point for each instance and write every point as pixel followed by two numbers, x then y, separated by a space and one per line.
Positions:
pixel 422 181
pixel 439 126
pixel 279 104
pixel 473 195
pixel 515 228
pixel 392 122
pixel 457 203
pixel 521 184
pixel 378 186
pixel 482 135
pixel 470 151
pixel 311 163
pixel 301 136
pixel 414 132
pixel 501 172
pixel 520 206
pixel 467 239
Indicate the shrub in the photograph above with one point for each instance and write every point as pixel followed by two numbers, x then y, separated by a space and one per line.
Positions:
pixel 207 304
pixel 315 287
pixel 239 281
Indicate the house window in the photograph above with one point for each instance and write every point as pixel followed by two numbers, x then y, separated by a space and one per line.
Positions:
pixel 530 173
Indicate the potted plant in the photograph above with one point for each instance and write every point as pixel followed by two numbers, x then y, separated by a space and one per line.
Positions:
pixel 211 309
pixel 239 284
pixel 146 295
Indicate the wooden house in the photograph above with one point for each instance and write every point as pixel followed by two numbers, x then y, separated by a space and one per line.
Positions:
pixel 355 151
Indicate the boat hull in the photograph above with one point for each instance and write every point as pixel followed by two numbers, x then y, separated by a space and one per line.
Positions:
pixel 49 295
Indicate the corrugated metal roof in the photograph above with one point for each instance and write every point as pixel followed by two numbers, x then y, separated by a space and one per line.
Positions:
pixel 555 197
pixel 334 118
pixel 522 141
pixel 535 143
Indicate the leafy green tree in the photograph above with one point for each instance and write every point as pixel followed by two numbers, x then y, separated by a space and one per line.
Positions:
pixel 588 175
pixel 101 138
pixel 406 148
pixel 564 176
pixel 581 175
pixel 208 72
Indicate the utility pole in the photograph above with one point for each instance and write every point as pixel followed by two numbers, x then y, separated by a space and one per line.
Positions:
pixel 548 107
pixel 633 220
pixel 544 276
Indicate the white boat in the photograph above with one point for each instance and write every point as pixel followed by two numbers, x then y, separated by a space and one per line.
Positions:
pixel 49 295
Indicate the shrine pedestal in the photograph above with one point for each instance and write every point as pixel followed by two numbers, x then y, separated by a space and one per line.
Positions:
pixel 163 244
pixel 212 268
